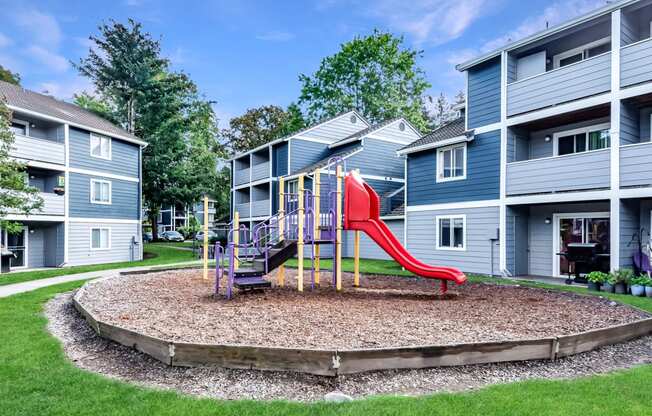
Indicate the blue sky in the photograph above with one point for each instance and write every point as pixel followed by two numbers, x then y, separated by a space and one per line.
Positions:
pixel 245 53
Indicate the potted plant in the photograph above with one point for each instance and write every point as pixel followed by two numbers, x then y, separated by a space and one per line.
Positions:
pixel 622 277
pixel 648 287
pixel 637 285
pixel 609 283
pixel 596 279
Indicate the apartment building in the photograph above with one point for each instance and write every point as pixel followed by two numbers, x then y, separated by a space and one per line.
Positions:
pixel 369 148
pixel 88 172
pixel 174 216
pixel 555 148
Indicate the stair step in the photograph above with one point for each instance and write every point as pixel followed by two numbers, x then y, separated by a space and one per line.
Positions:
pixel 253 282
pixel 242 273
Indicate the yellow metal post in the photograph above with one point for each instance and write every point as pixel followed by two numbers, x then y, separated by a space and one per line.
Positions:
pixel 236 238
pixel 317 221
pixel 281 226
pixel 338 230
pixel 205 238
pixel 356 260
pixel 300 225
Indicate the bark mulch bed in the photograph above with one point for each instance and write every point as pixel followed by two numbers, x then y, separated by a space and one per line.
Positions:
pixel 389 312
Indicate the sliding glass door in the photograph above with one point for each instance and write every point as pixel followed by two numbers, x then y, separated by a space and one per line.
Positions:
pixel 580 228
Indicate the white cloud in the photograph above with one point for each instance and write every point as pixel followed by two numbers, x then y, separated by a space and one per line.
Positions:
pixel 276 36
pixel 43 28
pixel 49 59
pixel 65 89
pixel 5 41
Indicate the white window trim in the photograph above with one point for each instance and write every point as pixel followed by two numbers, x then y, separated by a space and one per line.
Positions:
pixel 439 176
pixel 100 137
pixel 92 193
pixel 557 58
pixel 108 229
pixel 451 218
pixel 556 136
pixel 24 123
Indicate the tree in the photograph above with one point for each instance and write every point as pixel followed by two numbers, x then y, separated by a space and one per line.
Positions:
pixel 16 196
pixel 261 125
pixel 374 74
pixel 97 105
pixel 442 110
pixel 8 76
pixel 160 106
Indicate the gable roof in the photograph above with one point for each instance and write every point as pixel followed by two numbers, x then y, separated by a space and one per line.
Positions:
pixel 299 132
pixel 30 102
pixel 451 130
pixel 365 132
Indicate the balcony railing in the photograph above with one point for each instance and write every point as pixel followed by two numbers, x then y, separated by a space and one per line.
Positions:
pixel 243 209
pixel 260 171
pixel 241 176
pixel 53 204
pixel 575 172
pixel 635 166
pixel 41 150
pixel 583 79
pixel 260 208
pixel 635 63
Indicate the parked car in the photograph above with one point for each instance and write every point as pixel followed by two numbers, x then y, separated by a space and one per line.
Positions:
pixel 147 237
pixel 172 236
pixel 200 235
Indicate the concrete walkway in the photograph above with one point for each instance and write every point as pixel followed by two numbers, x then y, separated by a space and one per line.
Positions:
pixel 17 288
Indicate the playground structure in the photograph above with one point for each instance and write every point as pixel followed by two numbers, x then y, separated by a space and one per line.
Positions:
pixel 300 224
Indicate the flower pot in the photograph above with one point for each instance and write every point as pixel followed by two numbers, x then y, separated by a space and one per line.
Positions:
pixel 607 287
pixel 593 286
pixel 638 290
pixel 648 291
pixel 620 288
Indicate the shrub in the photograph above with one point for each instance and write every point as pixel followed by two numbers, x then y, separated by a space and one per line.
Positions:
pixel 597 277
pixel 641 280
pixel 623 275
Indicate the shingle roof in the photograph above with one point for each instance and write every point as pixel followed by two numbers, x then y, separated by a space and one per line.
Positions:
pixel 324 162
pixel 49 106
pixel 449 130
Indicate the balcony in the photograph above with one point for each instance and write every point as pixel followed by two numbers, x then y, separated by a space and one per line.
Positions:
pixel 260 208
pixel 260 171
pixel 635 63
pixel 580 80
pixel 53 204
pixel 40 150
pixel 243 209
pixel 635 166
pixel 241 176
pixel 574 172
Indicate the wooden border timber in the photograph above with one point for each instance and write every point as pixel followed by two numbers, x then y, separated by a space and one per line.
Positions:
pixel 332 362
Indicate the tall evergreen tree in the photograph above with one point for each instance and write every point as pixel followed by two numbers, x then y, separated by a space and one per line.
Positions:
pixel 8 76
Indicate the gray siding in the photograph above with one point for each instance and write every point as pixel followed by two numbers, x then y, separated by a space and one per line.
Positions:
pixel 336 129
pixel 481 224
pixel 241 176
pixel 41 150
pixel 541 234
pixel 484 94
pixel 124 199
pixel 517 239
pixel 124 156
pixel 121 248
pixel 280 159
pixel 378 158
pixel 304 153
pixel 629 32
pixel 36 248
pixel 368 248
pixel 260 171
pixel 635 63
pixel 580 171
pixel 629 226
pixel 393 131
pixel 636 165
pixel 629 124
pixel 589 77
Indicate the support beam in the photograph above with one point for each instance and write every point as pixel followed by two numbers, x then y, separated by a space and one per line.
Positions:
pixel 206 237
pixel 356 260
pixel 317 221
pixel 338 230
pixel 280 278
pixel 300 229
pixel 236 239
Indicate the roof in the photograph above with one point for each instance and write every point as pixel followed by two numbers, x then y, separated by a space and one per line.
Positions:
pixel 20 99
pixel 324 162
pixel 542 34
pixel 450 130
pixel 303 130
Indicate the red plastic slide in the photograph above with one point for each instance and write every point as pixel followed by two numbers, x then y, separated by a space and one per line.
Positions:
pixel 362 212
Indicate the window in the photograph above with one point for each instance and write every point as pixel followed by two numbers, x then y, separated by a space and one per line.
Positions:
pixel 451 232
pixel 100 238
pixel 583 52
pixel 451 163
pixel 100 146
pixel 582 140
pixel 100 192
pixel 19 127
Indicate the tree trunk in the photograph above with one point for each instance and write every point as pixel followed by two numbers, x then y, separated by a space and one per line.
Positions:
pixel 153 220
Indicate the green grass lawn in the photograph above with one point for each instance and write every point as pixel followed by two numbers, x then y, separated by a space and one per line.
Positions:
pixel 36 379
pixel 160 252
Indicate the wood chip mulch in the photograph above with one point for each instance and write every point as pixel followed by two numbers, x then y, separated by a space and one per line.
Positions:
pixel 388 312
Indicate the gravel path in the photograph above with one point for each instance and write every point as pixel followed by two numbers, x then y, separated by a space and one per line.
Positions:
pixel 389 312
pixel 92 353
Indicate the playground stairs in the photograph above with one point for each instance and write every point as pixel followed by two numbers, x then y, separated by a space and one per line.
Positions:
pixel 279 254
